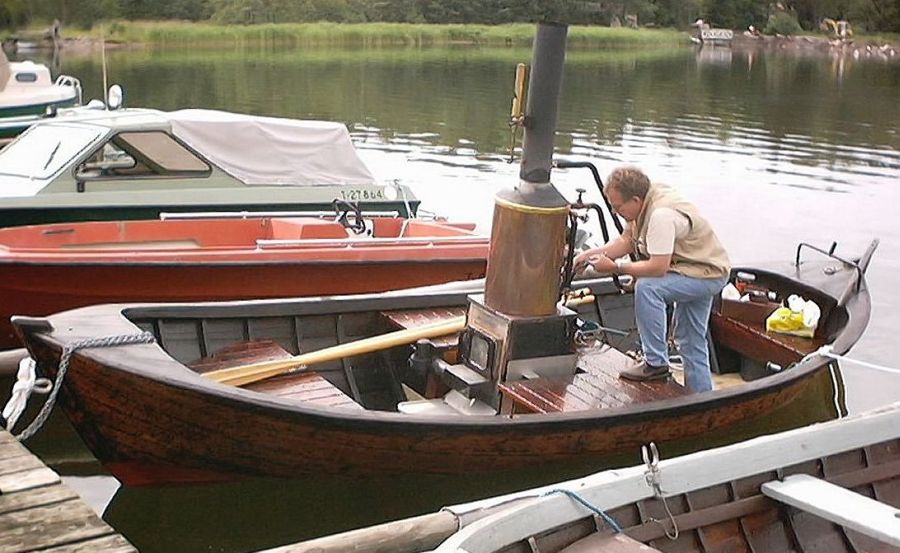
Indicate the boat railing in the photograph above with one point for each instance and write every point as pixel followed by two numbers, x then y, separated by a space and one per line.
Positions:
pixel 363 242
pixel 165 215
pixel 859 266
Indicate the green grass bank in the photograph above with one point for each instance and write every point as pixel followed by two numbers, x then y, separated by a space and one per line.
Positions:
pixel 168 33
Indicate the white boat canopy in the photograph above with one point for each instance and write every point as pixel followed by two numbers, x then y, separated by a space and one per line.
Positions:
pixel 272 151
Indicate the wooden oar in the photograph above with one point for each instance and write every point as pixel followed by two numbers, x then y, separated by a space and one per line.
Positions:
pixel 238 376
pixel 253 372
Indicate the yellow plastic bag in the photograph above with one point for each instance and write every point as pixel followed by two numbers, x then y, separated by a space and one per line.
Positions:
pixel 785 321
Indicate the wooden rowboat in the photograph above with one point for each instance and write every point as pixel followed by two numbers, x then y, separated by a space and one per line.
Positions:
pixel 832 487
pixel 160 412
pixel 50 268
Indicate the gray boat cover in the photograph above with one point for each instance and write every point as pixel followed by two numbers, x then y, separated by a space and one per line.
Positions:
pixel 272 150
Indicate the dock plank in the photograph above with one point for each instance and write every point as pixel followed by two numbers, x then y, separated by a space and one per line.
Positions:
pixel 10 447
pixel 26 480
pixel 39 513
pixel 35 497
pixel 50 526
pixel 21 463
pixel 107 544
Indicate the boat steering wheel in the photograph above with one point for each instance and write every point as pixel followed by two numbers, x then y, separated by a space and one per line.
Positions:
pixel 343 209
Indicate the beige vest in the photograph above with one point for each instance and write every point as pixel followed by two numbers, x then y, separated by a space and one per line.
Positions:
pixel 699 254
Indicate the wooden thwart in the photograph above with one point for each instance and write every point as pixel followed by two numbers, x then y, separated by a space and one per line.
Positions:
pixel 609 543
pixel 307 387
pixel 839 505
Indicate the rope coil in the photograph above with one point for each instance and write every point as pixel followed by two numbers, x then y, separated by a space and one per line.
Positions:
pixel 64 359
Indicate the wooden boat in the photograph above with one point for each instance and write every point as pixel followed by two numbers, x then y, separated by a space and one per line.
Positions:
pixel 50 268
pixel 27 92
pixel 831 487
pixel 151 412
pixel 130 163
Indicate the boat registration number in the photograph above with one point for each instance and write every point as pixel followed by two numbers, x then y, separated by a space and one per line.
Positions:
pixel 356 194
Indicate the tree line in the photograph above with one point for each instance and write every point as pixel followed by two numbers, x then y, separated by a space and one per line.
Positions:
pixel 868 15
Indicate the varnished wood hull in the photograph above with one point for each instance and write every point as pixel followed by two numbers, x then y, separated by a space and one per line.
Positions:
pixel 152 422
pixel 141 411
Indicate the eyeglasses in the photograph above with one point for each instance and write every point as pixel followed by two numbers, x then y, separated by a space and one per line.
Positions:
pixel 618 207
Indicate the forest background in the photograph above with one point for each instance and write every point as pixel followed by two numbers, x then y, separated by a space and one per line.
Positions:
pixel 866 15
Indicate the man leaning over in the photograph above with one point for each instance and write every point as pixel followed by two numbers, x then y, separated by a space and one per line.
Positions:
pixel 679 261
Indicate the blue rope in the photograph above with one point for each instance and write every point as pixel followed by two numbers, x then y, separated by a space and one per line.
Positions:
pixel 609 520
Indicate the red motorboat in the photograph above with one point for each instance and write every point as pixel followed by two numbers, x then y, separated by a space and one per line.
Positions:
pixel 50 268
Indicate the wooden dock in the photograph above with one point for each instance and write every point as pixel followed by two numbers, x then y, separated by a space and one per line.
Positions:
pixel 37 512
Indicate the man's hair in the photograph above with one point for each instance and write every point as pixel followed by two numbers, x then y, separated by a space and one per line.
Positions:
pixel 628 181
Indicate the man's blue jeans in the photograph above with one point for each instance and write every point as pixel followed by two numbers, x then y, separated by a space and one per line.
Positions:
pixel 692 298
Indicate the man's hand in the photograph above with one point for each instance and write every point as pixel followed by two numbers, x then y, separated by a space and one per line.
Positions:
pixel 595 259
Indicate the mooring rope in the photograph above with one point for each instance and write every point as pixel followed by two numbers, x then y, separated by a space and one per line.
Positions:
pixel 26 384
pixel 826 351
pixel 64 358
pixel 609 520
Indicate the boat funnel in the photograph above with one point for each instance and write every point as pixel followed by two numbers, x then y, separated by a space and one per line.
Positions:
pixel 518 329
pixel 528 233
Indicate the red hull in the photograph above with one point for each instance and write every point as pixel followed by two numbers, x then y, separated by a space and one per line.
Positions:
pixel 50 268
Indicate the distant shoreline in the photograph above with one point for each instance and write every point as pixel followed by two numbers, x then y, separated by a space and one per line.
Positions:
pixel 139 34
pixel 174 33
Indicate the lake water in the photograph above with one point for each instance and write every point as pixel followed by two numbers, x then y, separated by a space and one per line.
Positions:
pixel 776 148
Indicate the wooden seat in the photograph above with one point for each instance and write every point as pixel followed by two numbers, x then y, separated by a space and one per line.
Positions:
pixel 839 505
pixel 598 386
pixel 753 341
pixel 608 543
pixel 307 387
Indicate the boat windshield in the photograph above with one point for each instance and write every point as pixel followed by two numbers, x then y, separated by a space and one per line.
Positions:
pixel 41 151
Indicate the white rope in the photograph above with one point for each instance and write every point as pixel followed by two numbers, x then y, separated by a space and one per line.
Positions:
pixel 825 351
pixel 26 383
pixel 64 358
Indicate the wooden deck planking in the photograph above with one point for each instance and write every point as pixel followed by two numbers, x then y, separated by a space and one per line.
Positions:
pixel 37 512
pixel 599 386
pixel 309 387
pixel 413 318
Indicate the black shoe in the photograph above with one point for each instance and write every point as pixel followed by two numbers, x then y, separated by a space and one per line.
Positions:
pixel 642 372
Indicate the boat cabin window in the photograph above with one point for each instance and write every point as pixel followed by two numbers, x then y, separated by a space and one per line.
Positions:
pixel 43 150
pixel 26 77
pixel 143 154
